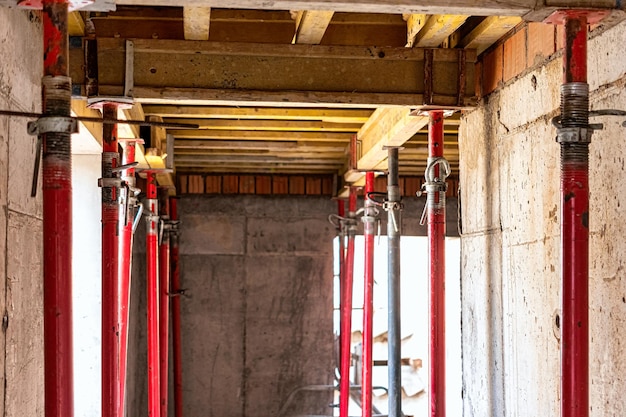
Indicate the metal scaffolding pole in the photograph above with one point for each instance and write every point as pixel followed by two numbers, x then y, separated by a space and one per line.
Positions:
pixel 127 224
pixel 346 307
pixel 394 231
pixel 435 209
pixel 152 269
pixel 110 184
pixel 369 221
pixel 54 130
pixel 574 137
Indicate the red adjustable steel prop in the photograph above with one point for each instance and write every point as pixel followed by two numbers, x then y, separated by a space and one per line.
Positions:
pixel 575 240
pixel 176 325
pixel 125 266
pixel 164 303
pixel 57 216
pixel 369 222
pixel 346 310
pixel 436 214
pixel 152 269
pixel 110 267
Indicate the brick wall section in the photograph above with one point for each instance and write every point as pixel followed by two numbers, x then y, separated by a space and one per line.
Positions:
pixel 322 185
pixel 526 47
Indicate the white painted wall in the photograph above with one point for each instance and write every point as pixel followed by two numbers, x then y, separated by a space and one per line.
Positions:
pixel 511 243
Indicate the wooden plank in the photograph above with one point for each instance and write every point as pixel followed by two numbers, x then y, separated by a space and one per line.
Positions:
pixel 274 170
pixel 156 161
pixel 79 108
pixel 274 125
pixel 133 113
pixel 261 135
pixel 386 127
pixel 197 72
pixel 437 29
pixel 311 26
pixel 186 160
pixel 76 24
pixel 263 113
pixel 183 145
pixel 414 24
pixel 196 21
pixel 469 7
pixel 158 135
pixel 488 32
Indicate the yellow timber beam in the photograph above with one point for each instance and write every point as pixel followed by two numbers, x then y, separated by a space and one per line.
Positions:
pixel 311 26
pixel 196 22
pixel 388 126
pixel 488 31
pixel 437 29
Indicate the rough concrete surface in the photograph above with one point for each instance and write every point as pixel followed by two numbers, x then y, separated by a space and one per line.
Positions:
pixel 21 294
pixel 511 243
pixel 257 318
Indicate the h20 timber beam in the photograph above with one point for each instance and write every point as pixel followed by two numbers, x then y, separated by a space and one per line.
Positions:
pixel 414 23
pixel 437 28
pixel 488 31
pixel 311 26
pixel 196 22
pixel 200 72
pixel 261 113
pixel 388 126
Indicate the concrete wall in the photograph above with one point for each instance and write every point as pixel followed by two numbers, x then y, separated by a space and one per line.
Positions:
pixel 511 242
pixel 21 269
pixel 257 321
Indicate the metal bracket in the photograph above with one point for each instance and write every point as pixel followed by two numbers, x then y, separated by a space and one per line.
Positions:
pixel 574 135
pixel 393 206
pixel 53 124
pixel 110 182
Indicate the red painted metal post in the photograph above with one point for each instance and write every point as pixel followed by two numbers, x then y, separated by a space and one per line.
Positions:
pixel 164 303
pixel 341 259
pixel 436 212
pixel 346 309
pixel 369 221
pixel 176 325
pixel 152 269
pixel 575 224
pixel 125 265
pixel 57 214
pixel 110 267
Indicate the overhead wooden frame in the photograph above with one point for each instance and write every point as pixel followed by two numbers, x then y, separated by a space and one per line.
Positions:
pixel 200 72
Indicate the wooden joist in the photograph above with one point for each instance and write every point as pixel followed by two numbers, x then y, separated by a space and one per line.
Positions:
pixel 414 24
pixel 388 126
pixel 311 26
pixel 271 125
pixel 183 145
pixel 489 31
pixel 261 113
pixel 260 135
pixel 437 29
pixel 196 22
pixel 76 24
